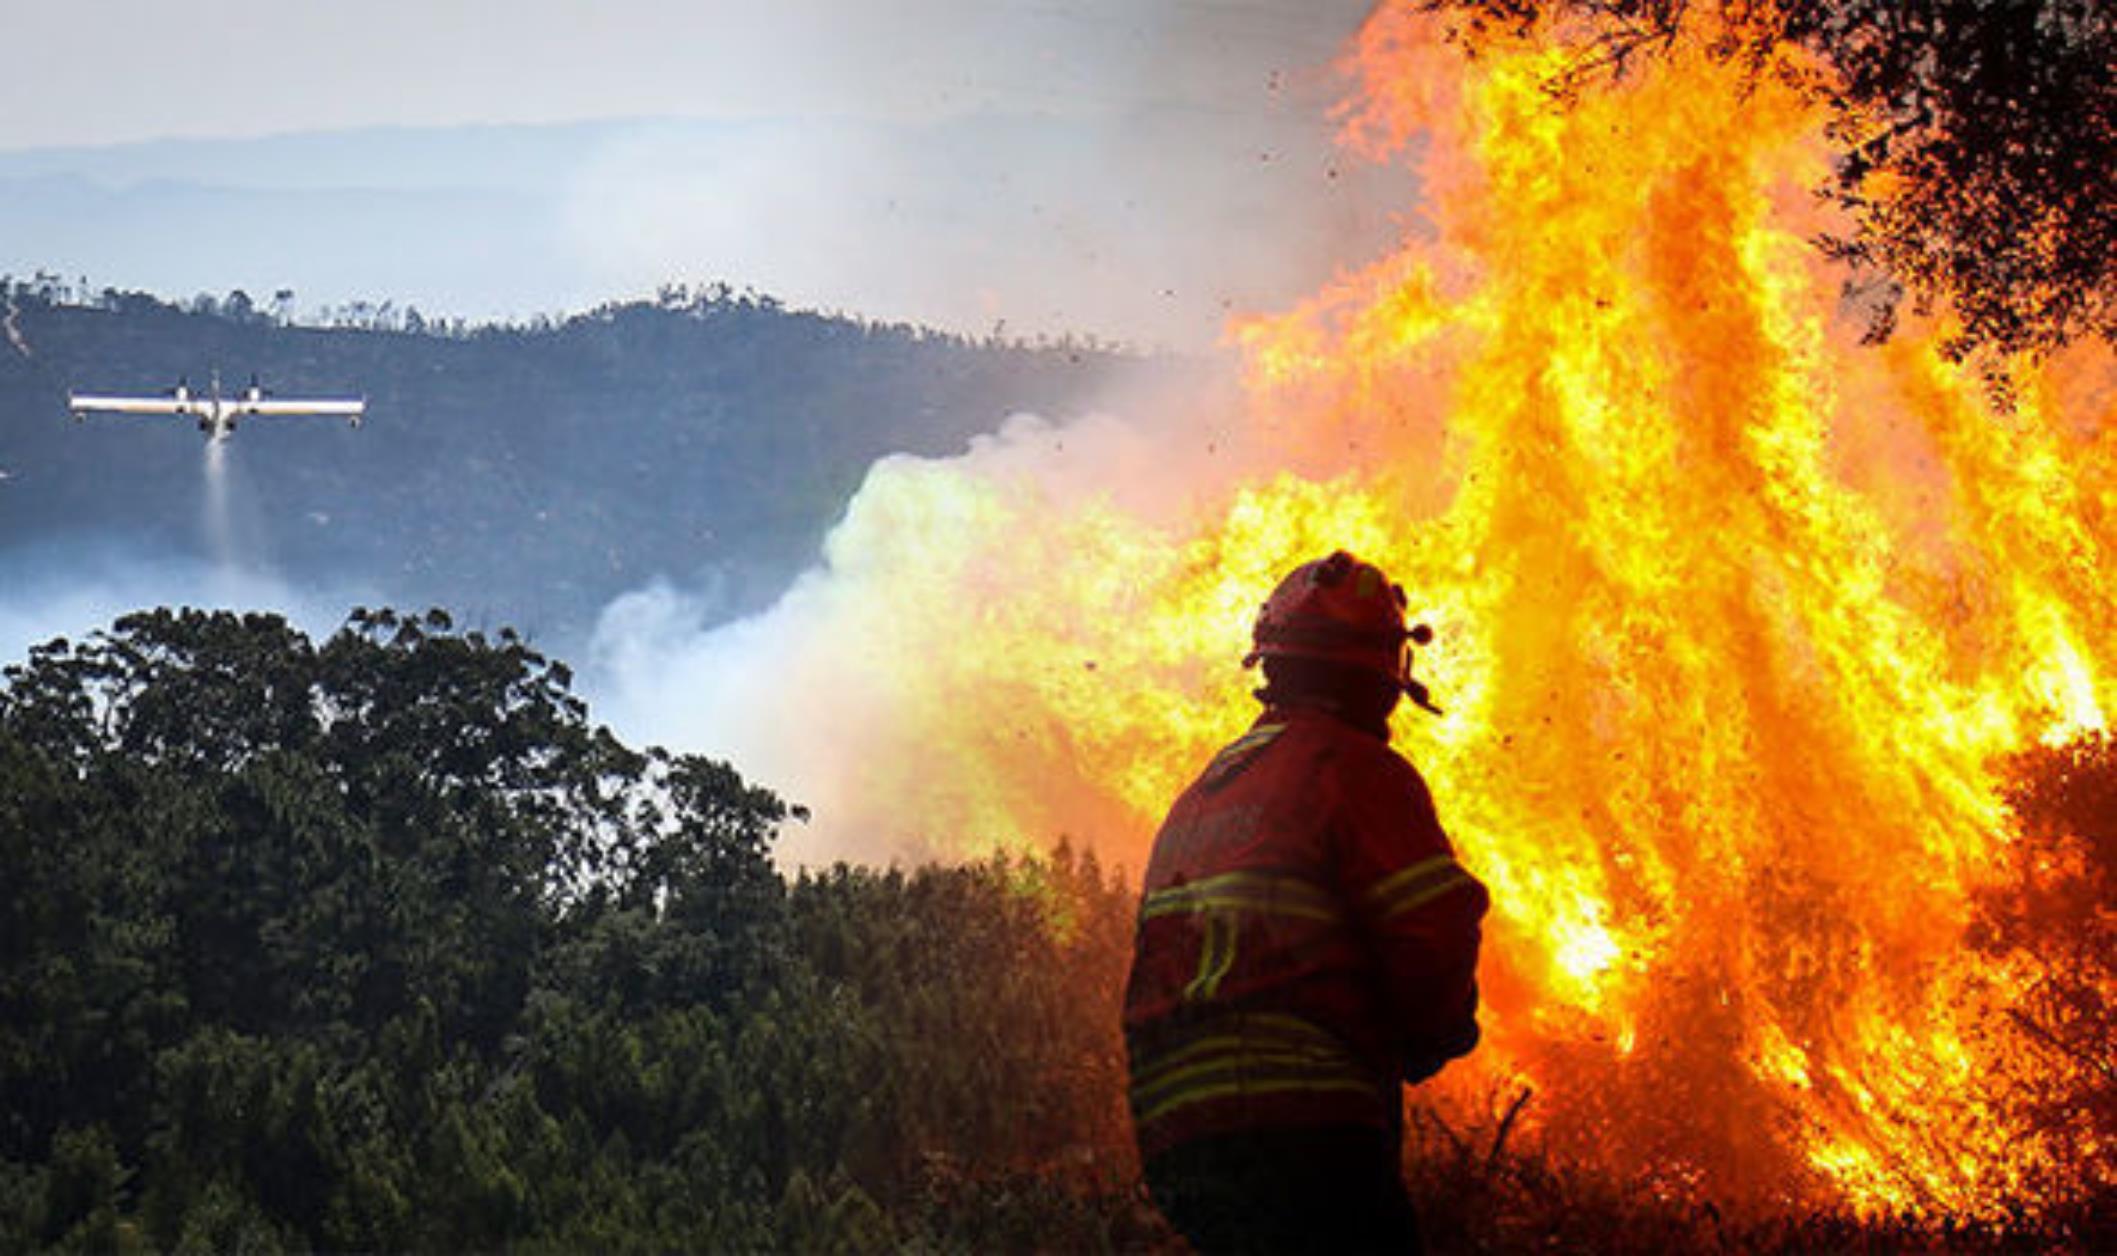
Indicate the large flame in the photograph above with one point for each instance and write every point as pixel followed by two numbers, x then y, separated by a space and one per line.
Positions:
pixel 1733 616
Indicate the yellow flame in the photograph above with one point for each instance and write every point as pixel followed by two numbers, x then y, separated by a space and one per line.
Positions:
pixel 1733 616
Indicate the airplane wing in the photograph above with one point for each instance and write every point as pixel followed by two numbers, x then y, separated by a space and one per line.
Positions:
pixel 82 402
pixel 276 408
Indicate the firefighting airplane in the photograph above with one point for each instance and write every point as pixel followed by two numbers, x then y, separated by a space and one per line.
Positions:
pixel 217 415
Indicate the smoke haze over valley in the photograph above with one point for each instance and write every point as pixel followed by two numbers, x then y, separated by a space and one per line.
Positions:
pixel 1149 229
pixel 569 263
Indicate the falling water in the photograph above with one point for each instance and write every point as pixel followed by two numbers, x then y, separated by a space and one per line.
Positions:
pixel 219 534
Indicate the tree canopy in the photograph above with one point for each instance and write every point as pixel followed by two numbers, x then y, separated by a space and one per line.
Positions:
pixel 1978 139
pixel 377 944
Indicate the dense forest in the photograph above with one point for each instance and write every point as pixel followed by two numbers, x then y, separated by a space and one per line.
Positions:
pixel 524 474
pixel 380 943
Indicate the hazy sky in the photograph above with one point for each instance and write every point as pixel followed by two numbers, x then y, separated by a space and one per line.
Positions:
pixel 1131 169
pixel 101 71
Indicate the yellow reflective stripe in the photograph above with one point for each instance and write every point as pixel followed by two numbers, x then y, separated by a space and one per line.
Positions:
pixel 1234 1053
pixel 1151 1074
pixel 1406 876
pixel 1214 960
pixel 1249 741
pixel 1258 1029
pixel 1263 1045
pixel 1258 1054
pixel 1236 754
pixel 1457 880
pixel 1248 1075
pixel 1189 901
pixel 1265 893
pixel 1248 1087
pixel 1284 1062
pixel 1415 886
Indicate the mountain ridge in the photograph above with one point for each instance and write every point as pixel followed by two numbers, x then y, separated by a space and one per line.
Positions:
pixel 536 470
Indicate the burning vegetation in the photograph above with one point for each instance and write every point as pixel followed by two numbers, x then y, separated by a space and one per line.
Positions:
pixel 1775 668
pixel 1740 618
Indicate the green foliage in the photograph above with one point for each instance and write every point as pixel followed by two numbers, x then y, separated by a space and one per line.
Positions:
pixel 377 944
pixel 998 1032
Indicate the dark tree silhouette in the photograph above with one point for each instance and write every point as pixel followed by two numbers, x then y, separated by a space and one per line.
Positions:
pixel 2054 914
pixel 1978 138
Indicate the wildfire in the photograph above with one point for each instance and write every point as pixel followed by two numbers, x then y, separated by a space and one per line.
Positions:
pixel 1733 615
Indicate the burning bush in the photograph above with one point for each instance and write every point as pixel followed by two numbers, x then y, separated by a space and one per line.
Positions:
pixel 2054 918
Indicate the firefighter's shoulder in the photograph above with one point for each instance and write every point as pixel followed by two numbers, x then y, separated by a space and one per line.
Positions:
pixel 1383 805
pixel 1370 765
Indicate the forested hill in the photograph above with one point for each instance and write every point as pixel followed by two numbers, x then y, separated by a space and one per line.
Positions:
pixel 376 944
pixel 520 475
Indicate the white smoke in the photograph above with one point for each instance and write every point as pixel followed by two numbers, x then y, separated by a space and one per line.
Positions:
pixel 809 698
pixel 71 591
pixel 1147 228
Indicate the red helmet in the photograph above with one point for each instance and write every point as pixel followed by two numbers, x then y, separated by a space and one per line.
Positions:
pixel 1343 610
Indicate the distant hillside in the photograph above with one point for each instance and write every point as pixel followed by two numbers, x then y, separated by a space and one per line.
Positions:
pixel 1148 226
pixel 523 475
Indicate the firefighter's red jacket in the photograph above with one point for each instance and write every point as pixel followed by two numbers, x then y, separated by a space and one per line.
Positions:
pixel 1306 943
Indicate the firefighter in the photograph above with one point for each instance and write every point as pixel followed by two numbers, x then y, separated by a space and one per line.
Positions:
pixel 1306 944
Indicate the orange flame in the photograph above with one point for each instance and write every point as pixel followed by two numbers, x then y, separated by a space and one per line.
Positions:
pixel 1733 616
